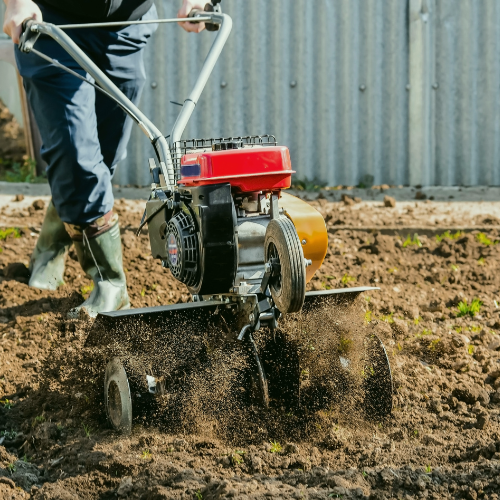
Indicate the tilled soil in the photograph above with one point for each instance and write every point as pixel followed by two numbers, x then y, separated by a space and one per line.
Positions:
pixel 442 440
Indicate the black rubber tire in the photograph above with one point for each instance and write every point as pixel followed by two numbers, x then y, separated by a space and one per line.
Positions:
pixel 117 397
pixel 289 289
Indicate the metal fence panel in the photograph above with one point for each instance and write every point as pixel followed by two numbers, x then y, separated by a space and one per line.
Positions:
pixel 328 78
pixel 467 97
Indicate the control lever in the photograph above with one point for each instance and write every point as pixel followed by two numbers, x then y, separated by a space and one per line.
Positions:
pixel 208 8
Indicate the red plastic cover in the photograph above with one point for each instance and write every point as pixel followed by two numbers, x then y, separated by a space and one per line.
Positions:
pixel 246 169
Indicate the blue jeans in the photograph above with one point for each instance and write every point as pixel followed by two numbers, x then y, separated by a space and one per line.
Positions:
pixel 84 133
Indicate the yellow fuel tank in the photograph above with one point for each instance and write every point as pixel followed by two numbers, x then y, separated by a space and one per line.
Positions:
pixel 311 229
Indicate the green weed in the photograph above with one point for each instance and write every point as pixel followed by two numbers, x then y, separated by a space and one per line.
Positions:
pixel 8 434
pixel 11 467
pixel 9 231
pixel 7 403
pixel 87 430
pixel 347 279
pixel 428 469
pixel 21 172
pixel 275 447
pixel 368 316
pixel 470 349
pixel 412 242
pixel 199 495
pixel 307 185
pixel 38 420
pixel 448 235
pixel 471 309
pixel 481 261
pixel 86 290
pixel 237 457
pixel 454 268
pixel 484 240
pixel 146 455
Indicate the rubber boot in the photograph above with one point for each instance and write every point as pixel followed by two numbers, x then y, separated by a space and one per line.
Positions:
pixel 101 258
pixel 47 260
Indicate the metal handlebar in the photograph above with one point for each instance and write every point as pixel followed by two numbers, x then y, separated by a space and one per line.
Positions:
pixel 33 29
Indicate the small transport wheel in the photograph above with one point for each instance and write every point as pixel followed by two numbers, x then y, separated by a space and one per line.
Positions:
pixel 117 398
pixel 284 252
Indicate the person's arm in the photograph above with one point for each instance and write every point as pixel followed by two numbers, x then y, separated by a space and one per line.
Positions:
pixel 186 7
pixel 16 13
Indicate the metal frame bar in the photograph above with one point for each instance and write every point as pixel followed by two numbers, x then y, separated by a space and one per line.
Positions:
pixel 162 149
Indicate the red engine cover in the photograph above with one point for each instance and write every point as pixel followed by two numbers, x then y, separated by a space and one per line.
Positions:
pixel 246 169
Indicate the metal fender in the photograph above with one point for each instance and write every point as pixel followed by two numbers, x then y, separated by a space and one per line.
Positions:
pixel 311 229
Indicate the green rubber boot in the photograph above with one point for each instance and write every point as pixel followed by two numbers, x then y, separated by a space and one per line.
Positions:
pixel 47 260
pixel 101 259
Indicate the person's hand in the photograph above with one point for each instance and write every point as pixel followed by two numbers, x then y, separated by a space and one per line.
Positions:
pixel 16 13
pixel 186 8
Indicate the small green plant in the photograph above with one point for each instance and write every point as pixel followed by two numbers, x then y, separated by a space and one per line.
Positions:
pixel 86 290
pixel 7 403
pixel 426 331
pixel 368 316
pixel 428 469
pixel 454 268
pixel 38 420
pixel 275 447
pixel 392 270
pixel 199 495
pixel 9 231
pixel 481 261
pixel 484 240
pixel 143 292
pixel 146 455
pixel 11 467
pixel 8 434
pixel 26 459
pixel 470 349
pixel 412 242
pixel 347 279
pixel 388 318
pixel 308 185
pixel 237 457
pixel 471 309
pixel 344 345
pixel 433 344
pixel 87 430
pixel 24 171
pixel 416 321
pixel 448 235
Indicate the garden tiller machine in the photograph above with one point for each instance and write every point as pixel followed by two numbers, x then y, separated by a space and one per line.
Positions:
pixel 218 218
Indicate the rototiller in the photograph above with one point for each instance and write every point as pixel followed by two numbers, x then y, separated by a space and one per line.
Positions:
pixel 217 218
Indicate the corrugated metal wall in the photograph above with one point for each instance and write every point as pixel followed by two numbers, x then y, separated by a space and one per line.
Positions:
pixel 405 90
pixel 467 100
pixel 326 77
